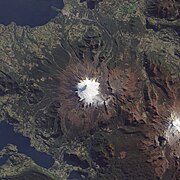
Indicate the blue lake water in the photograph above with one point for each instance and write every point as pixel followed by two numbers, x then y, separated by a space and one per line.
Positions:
pixel 77 175
pixel 28 12
pixel 8 136
pixel 3 159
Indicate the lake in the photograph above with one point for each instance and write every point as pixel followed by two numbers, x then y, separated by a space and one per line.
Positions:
pixel 9 136
pixel 28 12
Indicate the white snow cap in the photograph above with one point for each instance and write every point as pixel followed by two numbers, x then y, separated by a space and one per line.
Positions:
pixel 175 120
pixel 176 123
pixel 173 130
pixel 89 92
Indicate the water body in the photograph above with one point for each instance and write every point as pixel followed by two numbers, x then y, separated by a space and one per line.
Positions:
pixel 3 159
pixel 77 175
pixel 73 160
pixel 8 136
pixel 28 12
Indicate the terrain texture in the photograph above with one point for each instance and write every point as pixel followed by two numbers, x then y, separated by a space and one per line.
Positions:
pixel 138 42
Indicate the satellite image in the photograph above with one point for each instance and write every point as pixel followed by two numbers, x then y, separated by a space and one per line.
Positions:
pixel 89 89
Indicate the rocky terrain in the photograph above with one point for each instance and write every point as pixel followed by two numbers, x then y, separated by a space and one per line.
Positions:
pixel 138 42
